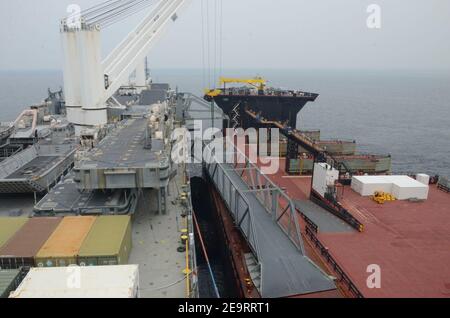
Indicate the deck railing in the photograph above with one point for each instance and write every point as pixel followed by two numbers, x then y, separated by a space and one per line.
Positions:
pixel 342 276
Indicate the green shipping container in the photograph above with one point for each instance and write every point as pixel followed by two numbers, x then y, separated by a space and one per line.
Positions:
pixel 9 226
pixel 300 166
pixel 108 242
pixel 444 182
pixel 9 281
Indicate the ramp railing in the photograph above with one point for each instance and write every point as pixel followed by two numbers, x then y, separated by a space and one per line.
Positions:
pixel 220 166
pixel 235 200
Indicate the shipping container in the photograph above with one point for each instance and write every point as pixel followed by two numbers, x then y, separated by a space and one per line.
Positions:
pixel 444 183
pixel 406 188
pixel 338 147
pixel 402 187
pixel 9 226
pixel 300 166
pixel 9 280
pixel 423 178
pixel 62 247
pixel 23 246
pixel 121 281
pixel 372 164
pixel 108 242
pixel 368 185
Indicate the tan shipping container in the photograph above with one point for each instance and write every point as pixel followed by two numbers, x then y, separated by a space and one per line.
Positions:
pixel 62 247
pixel 9 226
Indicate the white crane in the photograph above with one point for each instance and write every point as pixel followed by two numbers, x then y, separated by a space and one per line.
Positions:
pixel 90 82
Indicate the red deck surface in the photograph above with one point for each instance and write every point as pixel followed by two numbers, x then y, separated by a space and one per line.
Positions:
pixel 409 241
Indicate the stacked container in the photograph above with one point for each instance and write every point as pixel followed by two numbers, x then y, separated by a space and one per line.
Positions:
pixel 9 280
pixel 8 227
pixel 108 242
pixel 62 247
pixel 21 249
pixel 84 282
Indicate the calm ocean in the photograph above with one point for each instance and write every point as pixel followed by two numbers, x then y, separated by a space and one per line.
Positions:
pixel 405 114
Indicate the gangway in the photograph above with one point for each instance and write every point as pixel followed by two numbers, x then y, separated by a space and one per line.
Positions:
pixel 268 220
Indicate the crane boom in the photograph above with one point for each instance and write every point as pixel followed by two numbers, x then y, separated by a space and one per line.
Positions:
pixel 120 49
pixel 90 82
pixel 139 45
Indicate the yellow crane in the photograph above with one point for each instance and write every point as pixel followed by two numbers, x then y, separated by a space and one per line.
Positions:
pixel 257 82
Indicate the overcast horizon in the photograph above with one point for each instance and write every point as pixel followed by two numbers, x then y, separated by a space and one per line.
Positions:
pixel 258 34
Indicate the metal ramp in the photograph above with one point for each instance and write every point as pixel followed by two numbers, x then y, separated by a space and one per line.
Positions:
pixel 36 169
pixel 267 218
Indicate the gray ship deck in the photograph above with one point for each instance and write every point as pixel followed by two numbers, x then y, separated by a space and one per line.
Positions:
pixel 12 205
pixel 37 166
pixel 285 271
pixel 325 221
pixel 156 238
pixel 124 160
pixel 124 148
pixel 66 199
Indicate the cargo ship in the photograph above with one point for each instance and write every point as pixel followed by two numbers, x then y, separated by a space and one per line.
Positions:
pixel 88 174
pixel 356 219
pixel 137 212
pixel 89 187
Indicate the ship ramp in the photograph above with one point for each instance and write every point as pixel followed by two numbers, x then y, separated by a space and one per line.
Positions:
pixel 66 199
pixel 267 218
pixel 37 168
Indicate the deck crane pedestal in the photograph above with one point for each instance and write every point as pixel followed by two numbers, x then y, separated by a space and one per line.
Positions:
pixel 89 81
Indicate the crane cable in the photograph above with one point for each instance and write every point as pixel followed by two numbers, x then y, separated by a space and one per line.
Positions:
pixel 208 46
pixel 130 13
pixel 203 41
pixel 212 41
pixel 205 253
pixel 110 12
pixel 220 38
pixel 122 11
pixel 98 8
pixel 215 42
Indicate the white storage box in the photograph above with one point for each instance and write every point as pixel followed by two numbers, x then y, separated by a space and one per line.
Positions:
pixel 423 178
pixel 121 281
pixel 367 185
pixel 405 188
pixel 402 187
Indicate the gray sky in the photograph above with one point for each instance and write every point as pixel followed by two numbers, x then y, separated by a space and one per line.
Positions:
pixel 294 34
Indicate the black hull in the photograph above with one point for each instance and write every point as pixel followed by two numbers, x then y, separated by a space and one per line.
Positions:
pixel 279 108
